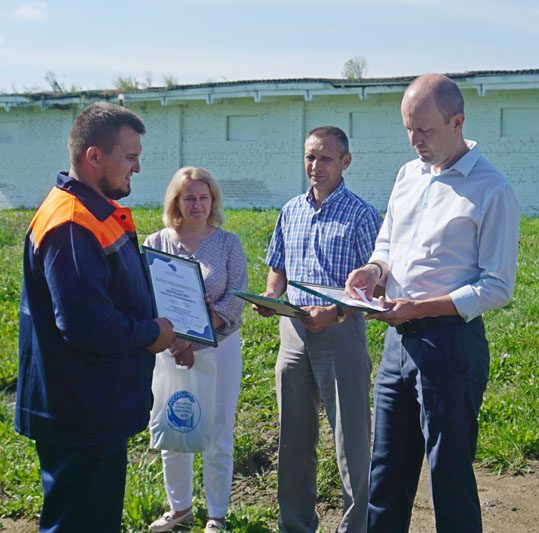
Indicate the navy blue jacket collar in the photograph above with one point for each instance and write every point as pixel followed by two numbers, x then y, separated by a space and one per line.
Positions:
pixel 93 201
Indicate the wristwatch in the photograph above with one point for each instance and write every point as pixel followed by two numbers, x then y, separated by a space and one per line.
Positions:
pixel 341 317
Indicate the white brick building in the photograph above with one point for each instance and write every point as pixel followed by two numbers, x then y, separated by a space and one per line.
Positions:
pixel 250 135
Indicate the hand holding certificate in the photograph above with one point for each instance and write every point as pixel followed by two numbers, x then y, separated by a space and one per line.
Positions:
pixel 179 295
pixel 337 296
pixel 365 302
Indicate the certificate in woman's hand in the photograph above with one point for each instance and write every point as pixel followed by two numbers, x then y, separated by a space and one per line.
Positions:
pixel 179 295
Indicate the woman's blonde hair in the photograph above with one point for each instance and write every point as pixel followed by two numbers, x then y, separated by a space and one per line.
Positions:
pixel 172 216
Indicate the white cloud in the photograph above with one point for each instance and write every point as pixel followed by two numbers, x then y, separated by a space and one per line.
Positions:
pixel 33 11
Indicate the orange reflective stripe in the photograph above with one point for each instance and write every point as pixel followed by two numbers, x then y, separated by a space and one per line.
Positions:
pixel 61 207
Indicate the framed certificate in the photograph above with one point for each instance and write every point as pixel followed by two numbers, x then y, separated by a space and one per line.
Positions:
pixel 179 295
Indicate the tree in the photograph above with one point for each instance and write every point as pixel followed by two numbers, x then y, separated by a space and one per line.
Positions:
pixel 148 80
pixel 354 68
pixel 170 81
pixel 56 86
pixel 52 80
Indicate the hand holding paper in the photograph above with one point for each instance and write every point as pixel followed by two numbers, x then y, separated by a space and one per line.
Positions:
pixel 374 303
pixel 366 278
pixel 338 296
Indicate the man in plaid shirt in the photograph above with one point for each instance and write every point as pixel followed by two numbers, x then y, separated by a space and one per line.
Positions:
pixel 320 237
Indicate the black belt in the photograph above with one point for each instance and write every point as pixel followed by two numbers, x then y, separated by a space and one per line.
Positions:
pixel 420 325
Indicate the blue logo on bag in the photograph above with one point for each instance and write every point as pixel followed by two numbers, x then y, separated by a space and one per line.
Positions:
pixel 183 411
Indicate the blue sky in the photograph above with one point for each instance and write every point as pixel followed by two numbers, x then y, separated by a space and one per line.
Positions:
pixel 91 43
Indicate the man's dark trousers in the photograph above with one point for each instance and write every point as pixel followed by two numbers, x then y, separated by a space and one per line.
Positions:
pixel 427 396
pixel 83 487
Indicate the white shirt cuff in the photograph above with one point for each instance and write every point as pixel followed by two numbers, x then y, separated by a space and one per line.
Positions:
pixel 379 255
pixel 466 302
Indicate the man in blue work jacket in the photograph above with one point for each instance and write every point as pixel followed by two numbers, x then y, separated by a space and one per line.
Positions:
pixel 87 333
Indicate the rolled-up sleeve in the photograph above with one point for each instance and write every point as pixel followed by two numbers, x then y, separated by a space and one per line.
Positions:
pixel 497 258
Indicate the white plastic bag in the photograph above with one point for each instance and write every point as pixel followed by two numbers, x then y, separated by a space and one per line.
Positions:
pixel 184 403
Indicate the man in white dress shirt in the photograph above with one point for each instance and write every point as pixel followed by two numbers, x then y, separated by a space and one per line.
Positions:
pixel 446 253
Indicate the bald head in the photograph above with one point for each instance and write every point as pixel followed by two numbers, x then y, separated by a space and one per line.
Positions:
pixel 432 113
pixel 438 88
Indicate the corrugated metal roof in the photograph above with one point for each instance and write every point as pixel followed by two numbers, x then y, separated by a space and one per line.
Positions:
pixel 270 84
pixel 339 82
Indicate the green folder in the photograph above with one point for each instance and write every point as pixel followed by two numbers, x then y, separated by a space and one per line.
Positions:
pixel 280 307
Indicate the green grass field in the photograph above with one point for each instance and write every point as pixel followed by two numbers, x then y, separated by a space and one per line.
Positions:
pixel 509 433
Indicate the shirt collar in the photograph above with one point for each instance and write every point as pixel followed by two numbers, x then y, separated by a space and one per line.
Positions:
pixel 93 201
pixel 463 166
pixel 466 163
pixel 338 191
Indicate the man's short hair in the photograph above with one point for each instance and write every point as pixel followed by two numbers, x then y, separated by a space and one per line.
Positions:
pixel 98 125
pixel 446 94
pixel 331 131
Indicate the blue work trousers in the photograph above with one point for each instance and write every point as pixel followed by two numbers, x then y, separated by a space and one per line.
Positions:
pixel 83 487
pixel 427 396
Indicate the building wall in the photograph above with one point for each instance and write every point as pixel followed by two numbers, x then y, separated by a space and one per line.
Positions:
pixel 262 171
pixel 514 152
pixel 255 149
pixel 33 147
pixel 160 154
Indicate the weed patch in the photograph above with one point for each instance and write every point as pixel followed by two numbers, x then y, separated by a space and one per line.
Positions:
pixel 508 438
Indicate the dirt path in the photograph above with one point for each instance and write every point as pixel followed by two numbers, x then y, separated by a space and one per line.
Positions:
pixel 509 504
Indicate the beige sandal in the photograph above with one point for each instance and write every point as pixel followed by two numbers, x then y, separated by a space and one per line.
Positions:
pixel 214 525
pixel 167 523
